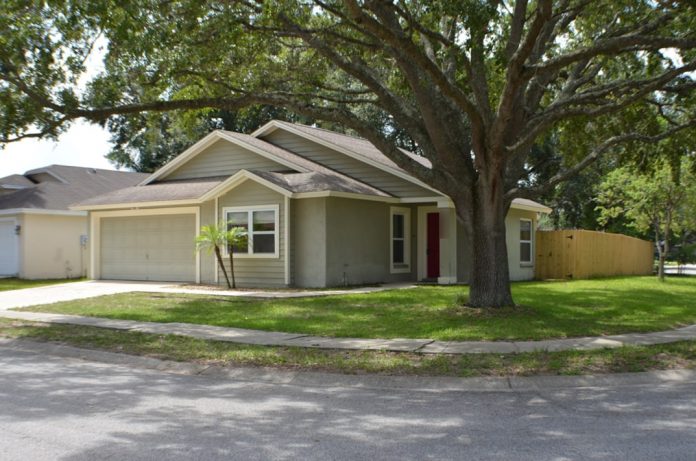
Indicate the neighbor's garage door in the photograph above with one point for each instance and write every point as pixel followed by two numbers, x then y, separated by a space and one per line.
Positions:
pixel 9 264
pixel 157 248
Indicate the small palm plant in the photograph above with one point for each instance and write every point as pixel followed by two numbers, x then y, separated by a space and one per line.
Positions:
pixel 212 238
pixel 236 237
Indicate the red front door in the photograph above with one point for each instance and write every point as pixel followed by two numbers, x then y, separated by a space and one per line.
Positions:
pixel 433 245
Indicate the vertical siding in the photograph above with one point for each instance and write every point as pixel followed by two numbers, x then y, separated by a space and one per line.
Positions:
pixel 346 165
pixel 223 158
pixel 256 272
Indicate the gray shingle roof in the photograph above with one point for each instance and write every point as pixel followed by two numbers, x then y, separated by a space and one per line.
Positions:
pixel 359 146
pixel 181 189
pixel 15 180
pixel 81 183
pixel 365 148
pixel 319 182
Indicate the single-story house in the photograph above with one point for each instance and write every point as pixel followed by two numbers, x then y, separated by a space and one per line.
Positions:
pixel 40 237
pixel 321 209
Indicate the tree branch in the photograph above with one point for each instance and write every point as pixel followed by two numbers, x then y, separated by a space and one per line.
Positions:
pixel 590 158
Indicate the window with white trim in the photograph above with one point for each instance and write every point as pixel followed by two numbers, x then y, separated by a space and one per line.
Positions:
pixel 400 232
pixel 261 225
pixel 525 241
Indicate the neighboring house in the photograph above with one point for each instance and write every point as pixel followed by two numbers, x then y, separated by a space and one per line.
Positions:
pixel 40 237
pixel 322 209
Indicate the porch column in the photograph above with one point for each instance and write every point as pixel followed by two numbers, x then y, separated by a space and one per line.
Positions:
pixel 448 243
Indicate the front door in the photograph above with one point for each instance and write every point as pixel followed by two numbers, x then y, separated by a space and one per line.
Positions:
pixel 433 245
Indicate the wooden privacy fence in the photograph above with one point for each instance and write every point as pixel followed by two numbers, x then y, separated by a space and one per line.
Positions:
pixel 581 254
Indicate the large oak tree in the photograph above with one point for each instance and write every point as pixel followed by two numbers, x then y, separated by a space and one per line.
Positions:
pixel 474 83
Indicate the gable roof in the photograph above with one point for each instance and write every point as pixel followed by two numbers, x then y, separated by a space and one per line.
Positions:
pixel 305 176
pixel 73 184
pixel 199 190
pixel 358 148
pixel 257 146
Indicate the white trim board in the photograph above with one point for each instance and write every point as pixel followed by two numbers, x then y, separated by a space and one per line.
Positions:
pixel 12 211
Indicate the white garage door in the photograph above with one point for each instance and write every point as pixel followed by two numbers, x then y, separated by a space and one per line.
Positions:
pixel 9 256
pixel 159 248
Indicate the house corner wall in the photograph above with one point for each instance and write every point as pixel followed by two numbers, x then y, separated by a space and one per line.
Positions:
pixel 308 242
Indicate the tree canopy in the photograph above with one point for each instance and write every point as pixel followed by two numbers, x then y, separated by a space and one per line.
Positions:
pixel 475 84
pixel 661 203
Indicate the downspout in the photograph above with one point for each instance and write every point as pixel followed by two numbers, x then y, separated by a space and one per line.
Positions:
pixel 286 239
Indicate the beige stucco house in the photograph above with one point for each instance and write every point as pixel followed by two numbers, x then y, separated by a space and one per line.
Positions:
pixel 40 237
pixel 322 209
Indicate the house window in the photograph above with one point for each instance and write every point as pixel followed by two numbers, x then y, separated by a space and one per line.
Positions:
pixel 525 241
pixel 400 229
pixel 261 225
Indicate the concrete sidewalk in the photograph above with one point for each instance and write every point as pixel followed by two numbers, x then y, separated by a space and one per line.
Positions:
pixel 424 346
pixel 81 290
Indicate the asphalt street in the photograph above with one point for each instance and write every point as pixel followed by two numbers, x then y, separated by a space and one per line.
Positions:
pixel 67 408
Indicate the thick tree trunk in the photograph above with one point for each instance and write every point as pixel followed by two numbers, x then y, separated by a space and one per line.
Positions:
pixel 490 276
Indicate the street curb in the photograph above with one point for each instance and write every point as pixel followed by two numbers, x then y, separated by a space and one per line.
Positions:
pixel 272 376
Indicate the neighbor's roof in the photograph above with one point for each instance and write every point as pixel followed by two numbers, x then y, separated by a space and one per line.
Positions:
pixel 75 184
pixel 15 181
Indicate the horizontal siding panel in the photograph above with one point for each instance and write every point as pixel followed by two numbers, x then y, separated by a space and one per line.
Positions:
pixel 346 165
pixel 223 158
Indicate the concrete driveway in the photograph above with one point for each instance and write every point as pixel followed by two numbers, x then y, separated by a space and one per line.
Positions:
pixel 65 408
pixel 76 290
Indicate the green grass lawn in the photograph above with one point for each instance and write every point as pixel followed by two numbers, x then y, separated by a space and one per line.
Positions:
pixel 547 310
pixel 18 284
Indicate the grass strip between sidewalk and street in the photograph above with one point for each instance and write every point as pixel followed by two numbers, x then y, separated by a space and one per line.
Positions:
pixel 185 349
